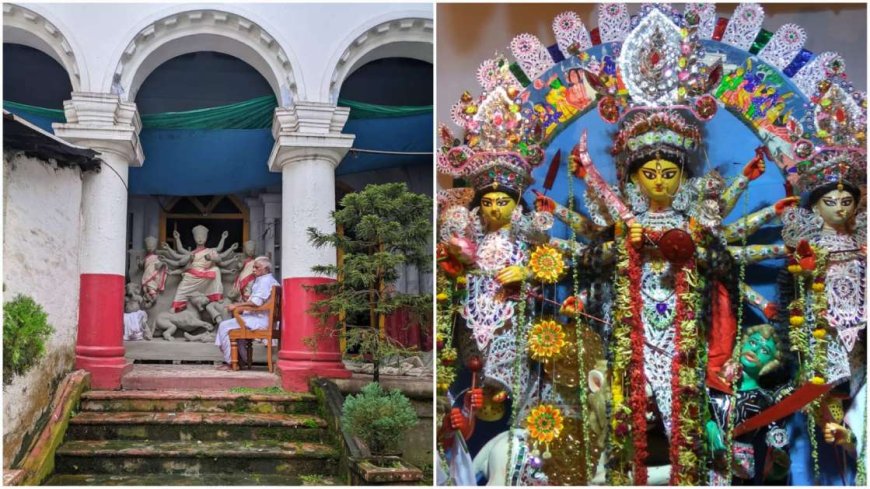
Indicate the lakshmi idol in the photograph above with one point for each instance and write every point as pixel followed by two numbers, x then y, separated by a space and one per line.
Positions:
pixel 485 244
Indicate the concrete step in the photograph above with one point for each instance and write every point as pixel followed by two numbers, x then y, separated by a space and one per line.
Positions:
pixel 187 426
pixel 131 457
pixel 195 377
pixel 213 480
pixel 201 401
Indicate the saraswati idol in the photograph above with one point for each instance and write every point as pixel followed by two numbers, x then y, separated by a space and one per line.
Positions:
pixel 827 315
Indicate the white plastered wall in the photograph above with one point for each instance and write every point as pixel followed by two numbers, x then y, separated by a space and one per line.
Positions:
pixel 41 224
pixel 312 50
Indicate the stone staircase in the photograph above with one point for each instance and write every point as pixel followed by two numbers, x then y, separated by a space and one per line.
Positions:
pixel 204 438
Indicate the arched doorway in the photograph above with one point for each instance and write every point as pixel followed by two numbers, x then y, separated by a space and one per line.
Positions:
pixel 201 171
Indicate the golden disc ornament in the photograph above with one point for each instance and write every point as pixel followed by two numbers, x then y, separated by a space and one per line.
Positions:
pixel 544 423
pixel 546 340
pixel 547 264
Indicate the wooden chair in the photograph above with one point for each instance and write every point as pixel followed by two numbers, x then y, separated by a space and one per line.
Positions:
pixel 273 307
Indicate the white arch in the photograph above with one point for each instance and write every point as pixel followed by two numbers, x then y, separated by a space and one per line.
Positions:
pixel 406 36
pixel 210 29
pixel 24 26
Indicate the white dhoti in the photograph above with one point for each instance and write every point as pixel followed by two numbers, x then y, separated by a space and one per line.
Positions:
pixel 260 293
pixel 134 325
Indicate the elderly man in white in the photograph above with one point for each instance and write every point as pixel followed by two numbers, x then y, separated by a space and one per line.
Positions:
pixel 260 292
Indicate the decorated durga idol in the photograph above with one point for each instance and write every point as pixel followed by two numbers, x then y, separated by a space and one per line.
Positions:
pixel 620 348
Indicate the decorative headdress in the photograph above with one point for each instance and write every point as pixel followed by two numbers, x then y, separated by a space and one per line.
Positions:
pixel 655 134
pixel 501 146
pixel 840 124
pixel 665 95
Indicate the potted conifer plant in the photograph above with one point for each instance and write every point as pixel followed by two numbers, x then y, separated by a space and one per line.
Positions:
pixel 380 419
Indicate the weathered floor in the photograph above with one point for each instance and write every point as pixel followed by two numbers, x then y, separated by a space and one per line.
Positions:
pixel 186 351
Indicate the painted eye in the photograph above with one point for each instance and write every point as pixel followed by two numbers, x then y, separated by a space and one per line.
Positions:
pixel 846 202
pixel 669 174
pixel 649 174
pixel 830 203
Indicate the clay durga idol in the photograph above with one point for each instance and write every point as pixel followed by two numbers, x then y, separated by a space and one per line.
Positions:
pixel 199 268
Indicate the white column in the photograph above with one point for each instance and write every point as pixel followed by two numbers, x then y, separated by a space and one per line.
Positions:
pixel 110 126
pixel 309 146
pixel 105 124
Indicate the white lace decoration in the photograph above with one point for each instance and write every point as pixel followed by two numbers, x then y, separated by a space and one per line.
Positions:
pixel 637 200
pixel 808 77
pixel 844 286
pixel 838 361
pixel 495 252
pixel 499 365
pixel 648 60
pixel 485 311
pixel 744 25
pixel 614 23
pixel 707 14
pixel 657 287
pixel 686 198
pixel 860 227
pixel 571 34
pixel 457 115
pixel 488 74
pixel 491 75
pixel 799 223
pixel 531 54
pixel 785 44
pixel 455 221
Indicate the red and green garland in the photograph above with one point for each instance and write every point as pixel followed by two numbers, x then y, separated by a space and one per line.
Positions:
pixel 621 348
pixel 628 360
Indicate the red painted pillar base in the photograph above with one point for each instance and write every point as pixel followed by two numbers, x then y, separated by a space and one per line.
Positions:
pixel 100 339
pixel 297 362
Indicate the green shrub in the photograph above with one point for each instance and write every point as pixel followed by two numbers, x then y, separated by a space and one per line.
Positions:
pixel 379 418
pixel 25 330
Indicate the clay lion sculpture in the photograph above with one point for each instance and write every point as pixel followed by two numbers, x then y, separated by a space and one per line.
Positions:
pixel 187 320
